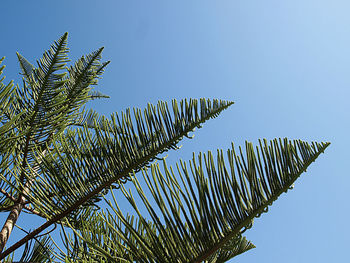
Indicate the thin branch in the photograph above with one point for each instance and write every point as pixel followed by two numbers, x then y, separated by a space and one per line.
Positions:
pixel 31 210
pixel 15 212
pixel 7 195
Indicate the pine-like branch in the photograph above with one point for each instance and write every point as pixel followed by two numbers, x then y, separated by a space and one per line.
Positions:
pixel 194 218
pixel 114 159
pixel 54 60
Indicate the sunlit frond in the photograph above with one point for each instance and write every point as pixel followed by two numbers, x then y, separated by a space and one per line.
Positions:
pixel 42 95
pixel 8 113
pixel 82 76
pixel 58 160
pixel 83 165
pixel 197 214
pixel 102 242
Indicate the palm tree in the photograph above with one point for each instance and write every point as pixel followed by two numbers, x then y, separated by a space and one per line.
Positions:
pixel 59 160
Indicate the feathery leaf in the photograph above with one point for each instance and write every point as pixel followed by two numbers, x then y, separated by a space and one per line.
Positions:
pixel 84 165
pixel 196 218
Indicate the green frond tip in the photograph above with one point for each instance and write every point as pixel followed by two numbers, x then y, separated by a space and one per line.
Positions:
pixel 26 67
pixel 234 247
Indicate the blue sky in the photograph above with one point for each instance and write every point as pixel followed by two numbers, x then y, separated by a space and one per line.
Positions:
pixel 285 64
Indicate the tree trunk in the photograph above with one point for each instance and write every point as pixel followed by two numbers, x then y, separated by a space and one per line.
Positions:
pixel 10 222
pixel 16 210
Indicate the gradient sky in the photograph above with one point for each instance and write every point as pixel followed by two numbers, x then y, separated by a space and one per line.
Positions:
pixel 286 65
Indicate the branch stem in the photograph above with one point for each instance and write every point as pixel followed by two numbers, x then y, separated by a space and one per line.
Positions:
pixel 7 195
pixel 11 221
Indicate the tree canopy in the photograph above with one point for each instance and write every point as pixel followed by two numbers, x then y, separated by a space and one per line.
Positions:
pixel 59 160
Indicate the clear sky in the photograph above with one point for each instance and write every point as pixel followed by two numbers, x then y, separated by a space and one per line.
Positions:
pixel 286 65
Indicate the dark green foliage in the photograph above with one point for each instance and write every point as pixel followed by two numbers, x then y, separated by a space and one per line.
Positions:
pixel 63 159
pixel 198 216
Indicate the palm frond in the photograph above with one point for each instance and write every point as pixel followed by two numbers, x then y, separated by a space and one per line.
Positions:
pixel 39 112
pixel 101 241
pixel 82 76
pixel 32 115
pixel 6 92
pixel 77 250
pixel 83 165
pixel 35 114
pixel 197 216
pixel 42 95
pixel 55 95
pixel 8 115
pixel 10 131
